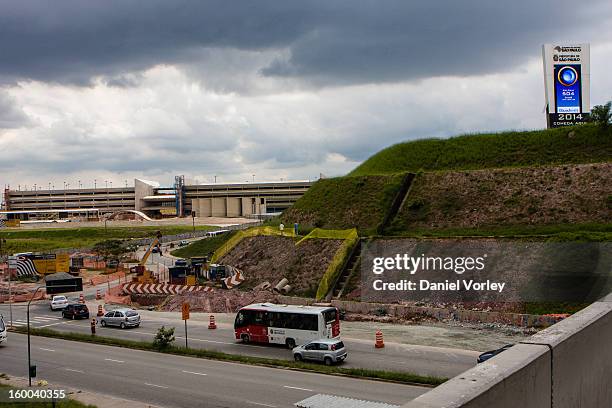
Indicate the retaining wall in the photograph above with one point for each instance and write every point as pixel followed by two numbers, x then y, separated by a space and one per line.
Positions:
pixel 568 365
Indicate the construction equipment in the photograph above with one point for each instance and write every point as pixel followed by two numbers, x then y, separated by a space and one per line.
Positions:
pixel 142 274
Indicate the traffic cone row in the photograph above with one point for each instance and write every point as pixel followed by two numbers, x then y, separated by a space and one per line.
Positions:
pixel 212 324
pixel 100 311
pixel 379 340
pixel 81 298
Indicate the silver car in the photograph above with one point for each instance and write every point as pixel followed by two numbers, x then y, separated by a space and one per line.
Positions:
pixel 329 351
pixel 2 330
pixel 121 318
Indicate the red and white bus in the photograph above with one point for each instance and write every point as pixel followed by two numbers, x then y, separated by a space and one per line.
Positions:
pixel 285 324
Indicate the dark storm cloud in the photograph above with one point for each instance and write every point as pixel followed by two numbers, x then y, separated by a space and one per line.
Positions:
pixel 11 115
pixel 328 42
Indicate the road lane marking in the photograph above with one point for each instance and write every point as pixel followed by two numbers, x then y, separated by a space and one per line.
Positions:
pixel 180 337
pixel 114 361
pixel 55 324
pixel 155 385
pixel 46 349
pixel 261 404
pixel 297 388
pixel 193 372
pixel 74 371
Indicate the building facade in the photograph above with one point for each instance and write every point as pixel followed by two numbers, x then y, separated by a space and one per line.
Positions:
pixel 148 197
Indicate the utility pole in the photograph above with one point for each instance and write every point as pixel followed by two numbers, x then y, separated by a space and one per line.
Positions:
pixel 2 245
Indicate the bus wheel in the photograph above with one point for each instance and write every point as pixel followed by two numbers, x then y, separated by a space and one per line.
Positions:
pixel 290 343
pixel 244 338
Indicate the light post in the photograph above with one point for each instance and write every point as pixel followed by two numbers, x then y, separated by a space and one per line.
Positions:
pixel 32 370
pixel 2 245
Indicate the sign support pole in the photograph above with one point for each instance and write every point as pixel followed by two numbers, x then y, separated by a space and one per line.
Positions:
pixel 186 346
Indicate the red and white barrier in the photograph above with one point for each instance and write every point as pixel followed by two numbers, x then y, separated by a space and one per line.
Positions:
pixel 161 289
pixel 234 280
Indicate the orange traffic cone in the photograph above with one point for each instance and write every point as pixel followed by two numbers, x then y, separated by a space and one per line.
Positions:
pixel 212 324
pixel 379 339
pixel 81 298
pixel 98 294
pixel 100 311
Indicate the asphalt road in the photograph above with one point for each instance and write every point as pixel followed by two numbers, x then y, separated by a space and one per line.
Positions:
pixel 174 381
pixel 442 362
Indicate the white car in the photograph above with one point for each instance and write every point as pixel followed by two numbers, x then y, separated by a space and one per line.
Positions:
pixel 59 302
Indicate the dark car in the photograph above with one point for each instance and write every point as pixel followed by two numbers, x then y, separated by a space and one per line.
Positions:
pixel 75 311
pixel 488 354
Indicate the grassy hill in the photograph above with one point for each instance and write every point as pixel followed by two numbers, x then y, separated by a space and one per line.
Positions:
pixel 345 202
pixel 457 175
pixel 580 144
pixel 204 246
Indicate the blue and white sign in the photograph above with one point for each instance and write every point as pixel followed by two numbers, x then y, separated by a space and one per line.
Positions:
pixel 567 82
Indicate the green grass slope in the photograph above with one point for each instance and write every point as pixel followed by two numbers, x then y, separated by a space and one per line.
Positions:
pixel 203 247
pixel 345 202
pixel 580 144
pixel 46 239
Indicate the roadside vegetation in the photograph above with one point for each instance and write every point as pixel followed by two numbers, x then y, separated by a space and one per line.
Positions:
pixel 46 239
pixel 204 246
pixel 585 232
pixel 393 376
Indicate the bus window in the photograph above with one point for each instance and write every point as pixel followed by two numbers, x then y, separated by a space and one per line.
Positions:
pixel 260 318
pixel 329 315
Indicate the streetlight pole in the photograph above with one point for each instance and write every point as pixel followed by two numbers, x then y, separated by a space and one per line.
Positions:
pixel 28 318
pixel 2 245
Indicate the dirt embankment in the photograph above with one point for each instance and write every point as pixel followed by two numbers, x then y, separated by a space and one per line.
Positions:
pixel 222 301
pixel 272 258
pixel 519 196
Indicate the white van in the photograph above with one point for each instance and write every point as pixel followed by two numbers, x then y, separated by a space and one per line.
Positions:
pixel 2 330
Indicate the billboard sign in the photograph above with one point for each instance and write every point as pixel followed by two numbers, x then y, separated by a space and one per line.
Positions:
pixel 566 83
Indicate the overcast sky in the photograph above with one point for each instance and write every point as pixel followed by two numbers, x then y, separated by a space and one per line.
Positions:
pixel 115 90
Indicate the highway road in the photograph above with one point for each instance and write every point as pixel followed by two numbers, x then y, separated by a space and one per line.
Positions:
pixel 436 361
pixel 175 381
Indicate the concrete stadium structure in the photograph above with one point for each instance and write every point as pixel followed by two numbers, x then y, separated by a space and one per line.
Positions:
pixel 204 200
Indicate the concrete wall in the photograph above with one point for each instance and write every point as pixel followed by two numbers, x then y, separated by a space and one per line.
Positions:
pixel 234 207
pixel 218 207
pixel 142 188
pixel 202 207
pixel 568 365
pixel 227 206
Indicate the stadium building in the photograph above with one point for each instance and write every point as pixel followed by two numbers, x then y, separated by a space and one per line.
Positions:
pixel 149 198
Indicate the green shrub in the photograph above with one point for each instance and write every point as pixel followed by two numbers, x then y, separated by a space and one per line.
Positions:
pixel 163 338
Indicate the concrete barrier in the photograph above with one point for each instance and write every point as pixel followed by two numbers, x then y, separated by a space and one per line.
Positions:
pixel 567 365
